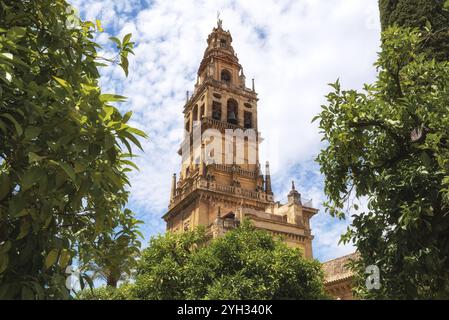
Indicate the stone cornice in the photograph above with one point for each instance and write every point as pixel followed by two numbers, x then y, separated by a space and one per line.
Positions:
pixel 218 193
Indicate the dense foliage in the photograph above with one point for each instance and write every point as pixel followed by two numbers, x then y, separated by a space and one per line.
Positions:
pixel 62 170
pixel 114 255
pixel 390 143
pixel 421 14
pixel 123 292
pixel 243 264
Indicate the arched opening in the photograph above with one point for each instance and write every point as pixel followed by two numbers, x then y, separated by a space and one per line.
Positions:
pixel 216 110
pixel 229 215
pixel 230 221
pixel 248 120
pixel 226 76
pixel 195 113
pixel 232 111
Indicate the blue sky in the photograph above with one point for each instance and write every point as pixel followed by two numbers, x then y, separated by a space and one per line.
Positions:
pixel 293 49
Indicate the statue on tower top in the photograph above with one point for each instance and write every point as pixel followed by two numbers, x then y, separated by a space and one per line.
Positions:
pixel 219 21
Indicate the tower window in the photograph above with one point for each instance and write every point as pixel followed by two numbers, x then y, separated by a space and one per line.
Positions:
pixel 195 113
pixel 226 76
pixel 223 43
pixel 248 120
pixel 232 114
pixel 216 110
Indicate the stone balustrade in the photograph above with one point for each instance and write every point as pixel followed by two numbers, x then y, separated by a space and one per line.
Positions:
pixel 203 184
pixel 237 169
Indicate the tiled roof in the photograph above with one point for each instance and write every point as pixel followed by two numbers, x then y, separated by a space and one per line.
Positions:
pixel 336 269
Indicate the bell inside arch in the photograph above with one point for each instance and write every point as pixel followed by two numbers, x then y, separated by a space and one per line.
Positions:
pixel 232 118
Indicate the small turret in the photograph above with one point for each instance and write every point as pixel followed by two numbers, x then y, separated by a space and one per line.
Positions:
pixel 294 196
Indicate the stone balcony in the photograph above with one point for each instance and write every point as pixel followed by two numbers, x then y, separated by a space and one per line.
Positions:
pixel 234 169
pixel 207 122
pixel 201 183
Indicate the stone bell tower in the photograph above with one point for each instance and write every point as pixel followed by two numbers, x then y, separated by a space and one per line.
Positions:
pixel 221 181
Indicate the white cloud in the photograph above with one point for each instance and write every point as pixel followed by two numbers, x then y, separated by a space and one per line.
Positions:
pixel 292 49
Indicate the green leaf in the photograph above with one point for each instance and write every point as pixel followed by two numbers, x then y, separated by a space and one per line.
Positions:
pixel 3 125
pixel 109 111
pixel 4 261
pixel 15 123
pixel 127 145
pixel 124 63
pixel 130 163
pixel 16 206
pixel 117 42
pixel 4 248
pixel 64 258
pixel 99 224
pixel 111 98
pixel 32 132
pixel 127 38
pixel 5 186
pixel 89 281
pixel 109 141
pixel 127 116
pixel 98 23
pixel 426 160
pixel 24 228
pixel 16 32
pixel 34 157
pixel 132 138
pixel 62 82
pixel 51 258
pixel 30 177
pixel 6 76
pixel 137 131
pixel 68 169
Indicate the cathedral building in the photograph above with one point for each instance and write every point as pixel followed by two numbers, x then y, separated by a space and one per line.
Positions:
pixel 221 181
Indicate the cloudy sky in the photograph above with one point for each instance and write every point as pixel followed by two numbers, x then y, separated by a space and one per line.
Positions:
pixel 292 48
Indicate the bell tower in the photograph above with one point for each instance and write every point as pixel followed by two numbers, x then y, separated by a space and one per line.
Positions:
pixel 221 181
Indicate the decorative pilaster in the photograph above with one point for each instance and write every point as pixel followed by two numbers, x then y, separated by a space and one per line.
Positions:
pixel 173 187
pixel 268 179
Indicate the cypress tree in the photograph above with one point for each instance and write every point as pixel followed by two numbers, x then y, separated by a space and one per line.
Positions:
pixel 417 13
